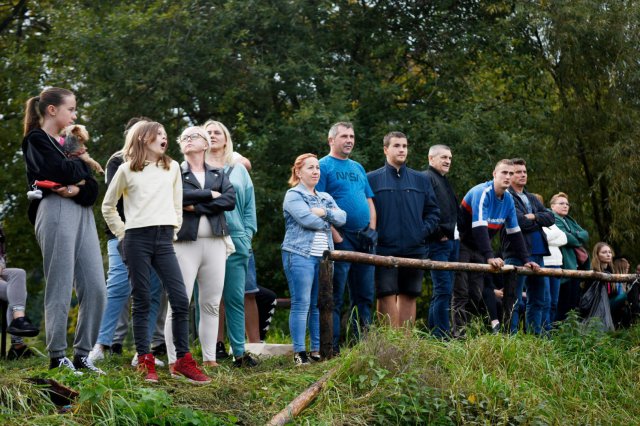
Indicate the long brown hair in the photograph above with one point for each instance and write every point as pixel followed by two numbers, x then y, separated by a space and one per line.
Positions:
pixel 596 265
pixel 36 107
pixel 143 133
pixel 297 165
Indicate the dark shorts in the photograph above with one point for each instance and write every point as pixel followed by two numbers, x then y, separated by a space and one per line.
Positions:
pixel 393 281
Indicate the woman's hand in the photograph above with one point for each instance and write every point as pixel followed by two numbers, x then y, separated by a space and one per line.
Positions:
pixel 215 194
pixel 319 211
pixel 189 208
pixel 68 191
pixel 337 238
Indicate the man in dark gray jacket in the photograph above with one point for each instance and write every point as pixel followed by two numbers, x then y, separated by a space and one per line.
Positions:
pixel 444 243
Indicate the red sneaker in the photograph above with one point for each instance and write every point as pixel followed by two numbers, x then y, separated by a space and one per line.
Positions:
pixel 187 367
pixel 147 365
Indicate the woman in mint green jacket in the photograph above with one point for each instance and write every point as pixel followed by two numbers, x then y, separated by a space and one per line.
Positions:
pixel 242 225
pixel 577 237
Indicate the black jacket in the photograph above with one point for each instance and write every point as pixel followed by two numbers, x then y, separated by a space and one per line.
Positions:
pixel 448 203
pixel 112 167
pixel 214 208
pixel 45 160
pixel 544 217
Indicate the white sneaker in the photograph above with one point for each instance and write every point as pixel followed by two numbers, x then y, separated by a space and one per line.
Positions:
pixel 97 353
pixel 85 363
pixel 65 363
pixel 134 361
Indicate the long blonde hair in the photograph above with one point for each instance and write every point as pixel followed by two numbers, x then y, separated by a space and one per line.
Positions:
pixel 141 134
pixel 228 148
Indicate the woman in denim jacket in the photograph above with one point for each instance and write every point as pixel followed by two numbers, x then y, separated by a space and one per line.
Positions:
pixel 308 217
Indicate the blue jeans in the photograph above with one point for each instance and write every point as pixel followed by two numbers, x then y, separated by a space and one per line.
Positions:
pixel 537 304
pixel 118 292
pixel 361 289
pixel 302 276
pixel 440 307
pixel 553 284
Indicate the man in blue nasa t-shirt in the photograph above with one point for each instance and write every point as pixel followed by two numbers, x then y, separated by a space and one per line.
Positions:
pixel 347 183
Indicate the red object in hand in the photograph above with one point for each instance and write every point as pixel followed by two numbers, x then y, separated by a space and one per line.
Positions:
pixel 47 184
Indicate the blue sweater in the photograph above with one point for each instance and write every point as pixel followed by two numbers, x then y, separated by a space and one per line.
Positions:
pixel 406 209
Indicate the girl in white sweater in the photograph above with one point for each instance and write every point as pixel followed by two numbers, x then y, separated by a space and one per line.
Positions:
pixel 151 187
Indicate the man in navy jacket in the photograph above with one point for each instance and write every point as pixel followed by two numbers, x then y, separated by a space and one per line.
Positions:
pixel 407 215
pixel 532 216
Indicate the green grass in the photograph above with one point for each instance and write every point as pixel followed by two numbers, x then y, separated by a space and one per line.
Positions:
pixel 579 376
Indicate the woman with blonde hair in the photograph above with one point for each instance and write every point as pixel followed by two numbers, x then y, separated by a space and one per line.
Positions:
pixel 243 224
pixel 203 240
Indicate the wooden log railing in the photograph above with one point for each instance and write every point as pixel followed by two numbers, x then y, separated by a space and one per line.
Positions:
pixel 325 294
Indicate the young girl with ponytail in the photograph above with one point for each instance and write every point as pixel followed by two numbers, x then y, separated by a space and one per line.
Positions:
pixel 65 228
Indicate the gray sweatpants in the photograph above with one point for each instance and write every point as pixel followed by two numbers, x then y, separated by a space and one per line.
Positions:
pixel 66 233
pixel 13 289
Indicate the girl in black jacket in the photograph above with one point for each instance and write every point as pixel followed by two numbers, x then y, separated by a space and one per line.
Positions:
pixel 65 228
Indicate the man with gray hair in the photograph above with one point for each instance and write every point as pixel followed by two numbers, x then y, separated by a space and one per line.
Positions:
pixel 444 243
pixel 347 183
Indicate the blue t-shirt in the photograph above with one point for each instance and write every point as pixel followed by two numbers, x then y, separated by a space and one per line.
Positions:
pixel 346 181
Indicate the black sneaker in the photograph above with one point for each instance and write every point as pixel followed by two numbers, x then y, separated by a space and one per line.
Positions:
pixel 300 358
pixel 160 350
pixel 116 348
pixel 22 327
pixel 221 352
pixel 21 352
pixel 63 363
pixel 314 357
pixel 82 362
pixel 245 361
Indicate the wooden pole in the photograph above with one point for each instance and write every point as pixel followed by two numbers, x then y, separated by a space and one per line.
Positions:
pixel 391 262
pixel 325 305
pixel 301 402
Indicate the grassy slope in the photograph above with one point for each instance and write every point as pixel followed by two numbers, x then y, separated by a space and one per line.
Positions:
pixel 577 377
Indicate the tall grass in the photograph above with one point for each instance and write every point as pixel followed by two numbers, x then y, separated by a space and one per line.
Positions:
pixel 577 376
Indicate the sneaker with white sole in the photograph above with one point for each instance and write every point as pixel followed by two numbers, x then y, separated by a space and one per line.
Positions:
pixel 97 353
pixel 134 361
pixel 188 368
pixel 300 358
pixel 82 362
pixel 63 363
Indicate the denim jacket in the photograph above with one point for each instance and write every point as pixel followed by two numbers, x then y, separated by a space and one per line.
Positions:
pixel 301 225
